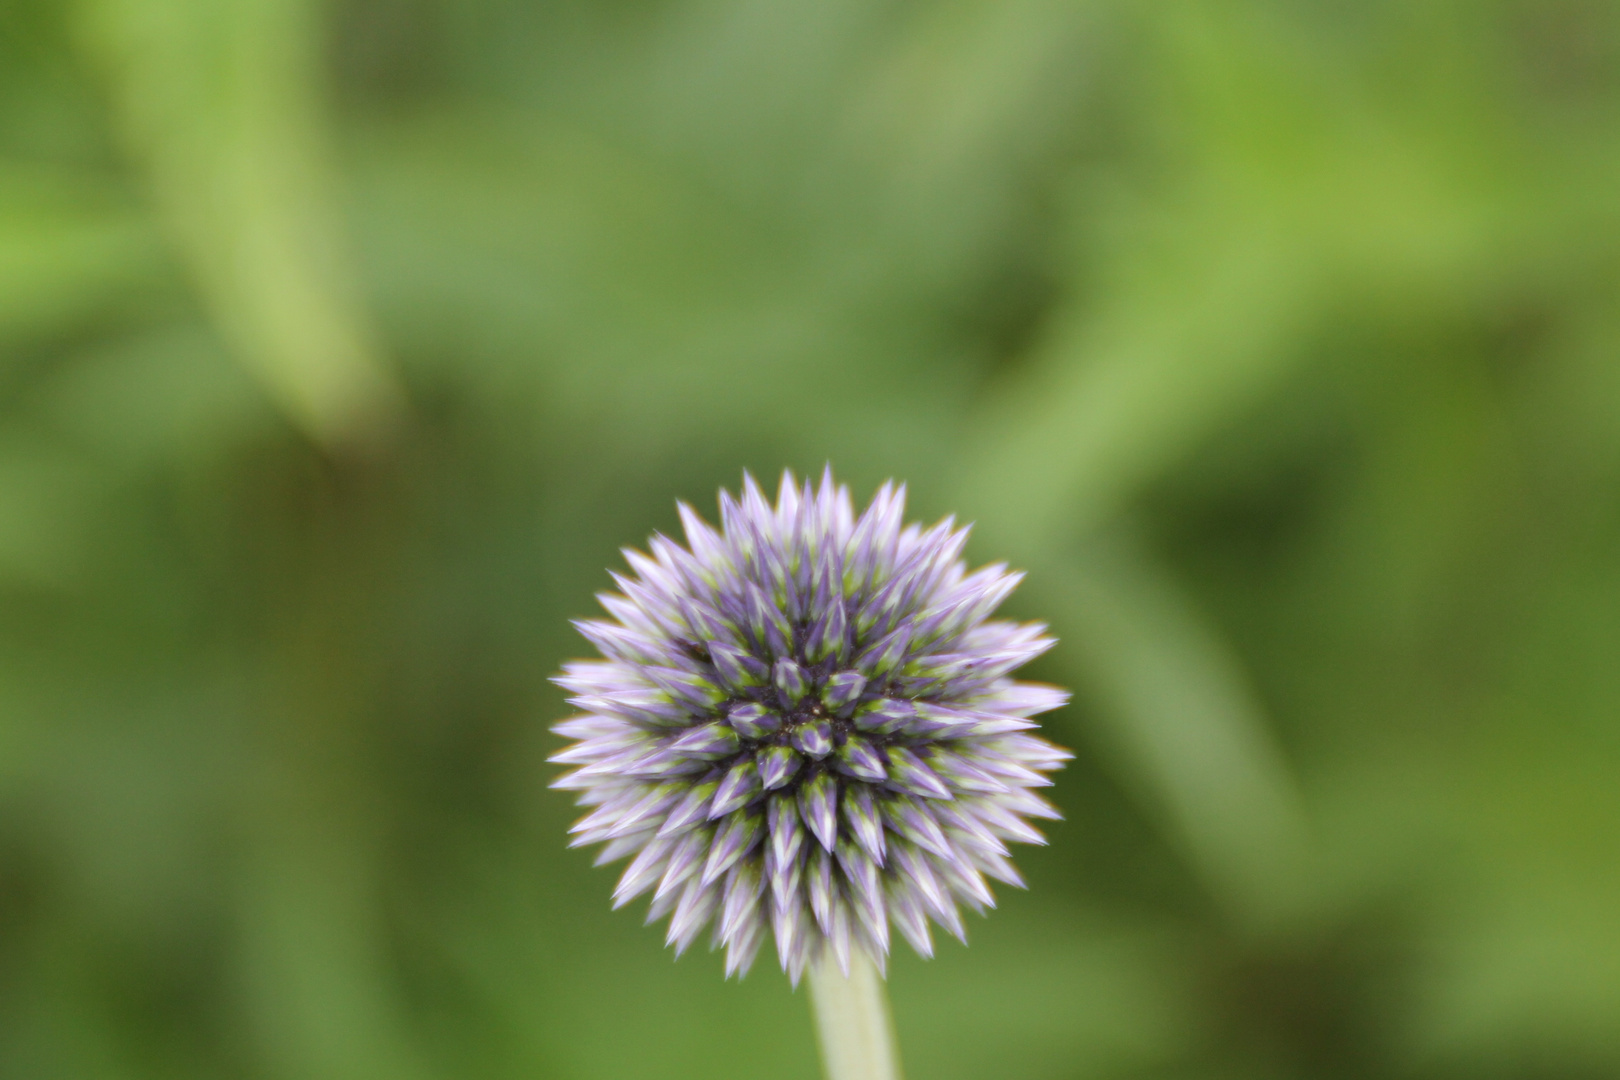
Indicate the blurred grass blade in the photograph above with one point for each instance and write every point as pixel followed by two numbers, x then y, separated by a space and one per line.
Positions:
pixel 1116 399
pixel 1198 283
pixel 219 102
pixel 1176 713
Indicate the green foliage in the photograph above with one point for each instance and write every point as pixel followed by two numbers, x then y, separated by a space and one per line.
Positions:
pixel 342 346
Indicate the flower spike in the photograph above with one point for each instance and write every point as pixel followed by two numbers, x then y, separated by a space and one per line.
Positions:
pixel 804 726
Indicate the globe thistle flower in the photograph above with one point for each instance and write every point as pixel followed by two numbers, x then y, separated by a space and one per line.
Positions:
pixel 804 726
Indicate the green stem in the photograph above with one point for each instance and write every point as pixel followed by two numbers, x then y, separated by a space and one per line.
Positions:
pixel 852 1018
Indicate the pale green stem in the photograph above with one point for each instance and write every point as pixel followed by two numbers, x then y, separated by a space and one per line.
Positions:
pixel 852 1018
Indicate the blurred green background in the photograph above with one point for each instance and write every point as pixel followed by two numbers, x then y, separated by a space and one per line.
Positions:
pixel 342 345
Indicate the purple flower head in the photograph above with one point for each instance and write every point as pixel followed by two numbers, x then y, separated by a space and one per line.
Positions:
pixel 804 726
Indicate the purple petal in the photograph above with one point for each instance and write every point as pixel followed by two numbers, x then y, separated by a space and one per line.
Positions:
pixel 770 627
pixel 736 666
pixel 607 815
pixel 619 642
pixel 843 690
pixel 819 888
pixel 860 811
pixel 647 810
pixel 838 933
pixel 694 808
pixel 1032 750
pixel 790 923
pixel 782 853
pixel 907 770
pixel 707 625
pixel 965 882
pixel 744 947
pixel 877 616
pixel 862 874
pixel 980 593
pixel 777 764
pixel 614 850
pixel 814 739
pixel 1025 699
pixel 997 866
pixel 685 687
pixel 629 615
pixel 885 716
pixel 648 706
pixel 1006 769
pixel 916 870
pixel 862 760
pixel 791 681
pixel 643 872
pixel 1026 802
pixel 960 773
pixel 829 633
pixel 737 788
pixel 662 764
pixel 735 838
pixel 700 536
pixel 913 821
pixel 741 905
pixel 952 722
pixel 885 655
pixel 906 910
pixel 1003 822
pixel 966 826
pixel 818 807
pixel 752 720
pixel 591 727
pixel 710 741
pixel 689 853
pixel 696 907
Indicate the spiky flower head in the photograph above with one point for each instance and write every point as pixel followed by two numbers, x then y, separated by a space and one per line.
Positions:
pixel 804 724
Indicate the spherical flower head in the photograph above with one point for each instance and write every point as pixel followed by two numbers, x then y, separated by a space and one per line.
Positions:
pixel 804 726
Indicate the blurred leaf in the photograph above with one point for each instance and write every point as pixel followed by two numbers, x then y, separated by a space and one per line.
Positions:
pixel 1176 713
pixel 219 102
pixel 1119 397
